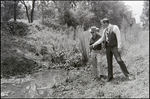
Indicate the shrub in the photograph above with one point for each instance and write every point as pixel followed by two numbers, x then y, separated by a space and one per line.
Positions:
pixel 13 60
pixel 58 57
pixel 15 28
pixel 12 66
pixel 75 60
pixel 52 24
pixel 44 50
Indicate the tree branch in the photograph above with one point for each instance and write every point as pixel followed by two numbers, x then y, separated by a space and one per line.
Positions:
pixel 22 1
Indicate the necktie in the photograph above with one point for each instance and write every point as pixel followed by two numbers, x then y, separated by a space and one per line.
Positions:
pixel 107 32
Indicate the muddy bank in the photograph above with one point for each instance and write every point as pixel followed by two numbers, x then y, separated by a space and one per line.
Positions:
pixel 32 85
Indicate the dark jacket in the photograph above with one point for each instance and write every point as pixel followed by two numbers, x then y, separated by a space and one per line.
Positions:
pixel 93 40
pixel 112 38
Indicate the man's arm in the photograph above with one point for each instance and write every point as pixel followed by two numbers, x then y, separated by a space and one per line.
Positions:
pixel 100 40
pixel 117 31
pixel 90 45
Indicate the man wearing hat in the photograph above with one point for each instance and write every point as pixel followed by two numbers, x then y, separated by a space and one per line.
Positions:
pixel 112 40
pixel 95 52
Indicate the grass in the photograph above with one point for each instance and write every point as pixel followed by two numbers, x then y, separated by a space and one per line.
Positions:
pixel 137 61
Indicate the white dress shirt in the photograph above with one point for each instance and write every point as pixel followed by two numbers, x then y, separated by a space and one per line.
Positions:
pixel 115 30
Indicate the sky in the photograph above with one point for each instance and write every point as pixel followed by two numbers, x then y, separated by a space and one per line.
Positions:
pixel 136 7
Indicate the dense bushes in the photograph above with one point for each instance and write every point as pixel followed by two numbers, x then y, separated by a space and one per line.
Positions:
pixel 57 47
pixel 65 58
pixel 52 24
pixel 14 28
pixel 70 58
pixel 40 46
pixel 76 60
pixel 13 48
pixel 13 59
pixel 16 66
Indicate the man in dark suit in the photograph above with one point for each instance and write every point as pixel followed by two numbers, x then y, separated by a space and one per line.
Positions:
pixel 112 40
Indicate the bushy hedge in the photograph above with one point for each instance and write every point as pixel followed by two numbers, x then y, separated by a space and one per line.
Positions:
pixel 13 60
pixel 52 24
pixel 12 66
pixel 14 28
pixel 66 58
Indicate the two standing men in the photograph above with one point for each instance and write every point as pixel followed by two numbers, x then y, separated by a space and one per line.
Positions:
pixel 111 38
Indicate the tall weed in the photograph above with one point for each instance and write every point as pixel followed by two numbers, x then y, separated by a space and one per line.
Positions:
pixel 133 38
pixel 84 42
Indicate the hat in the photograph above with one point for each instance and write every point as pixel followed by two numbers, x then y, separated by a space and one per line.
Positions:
pixel 104 19
pixel 93 29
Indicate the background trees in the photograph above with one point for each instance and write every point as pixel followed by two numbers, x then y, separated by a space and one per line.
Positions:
pixel 71 13
pixel 145 15
pixel 9 9
pixel 30 18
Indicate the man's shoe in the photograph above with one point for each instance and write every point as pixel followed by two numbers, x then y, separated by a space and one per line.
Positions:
pixel 96 79
pixel 103 76
pixel 93 79
pixel 109 78
pixel 130 77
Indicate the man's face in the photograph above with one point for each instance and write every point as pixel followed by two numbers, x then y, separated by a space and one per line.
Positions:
pixel 93 33
pixel 105 25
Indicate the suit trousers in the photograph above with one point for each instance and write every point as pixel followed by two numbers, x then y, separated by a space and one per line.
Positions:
pixel 96 63
pixel 110 51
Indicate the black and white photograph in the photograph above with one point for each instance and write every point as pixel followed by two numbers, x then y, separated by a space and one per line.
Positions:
pixel 74 49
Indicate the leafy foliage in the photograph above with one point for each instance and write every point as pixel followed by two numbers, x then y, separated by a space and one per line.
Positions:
pixel 114 10
pixel 52 24
pixel 146 9
pixel 81 15
pixel 74 13
pixel 6 10
pixel 14 28
pixel 145 15
pixel 13 49
pixel 12 66
pixel 86 13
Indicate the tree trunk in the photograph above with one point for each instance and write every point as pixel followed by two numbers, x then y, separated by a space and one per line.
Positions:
pixel 15 6
pixel 32 11
pixel 27 13
pixel 22 1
